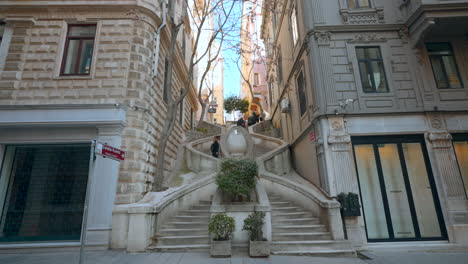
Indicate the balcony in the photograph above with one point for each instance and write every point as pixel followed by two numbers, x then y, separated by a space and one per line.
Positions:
pixel 426 17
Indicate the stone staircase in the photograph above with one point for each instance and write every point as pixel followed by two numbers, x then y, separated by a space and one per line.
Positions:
pixel 297 232
pixel 188 231
pixel 260 150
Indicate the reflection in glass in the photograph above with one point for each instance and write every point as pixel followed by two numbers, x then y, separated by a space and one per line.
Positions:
pixel 376 223
pixel 461 149
pixel 396 191
pixel 421 189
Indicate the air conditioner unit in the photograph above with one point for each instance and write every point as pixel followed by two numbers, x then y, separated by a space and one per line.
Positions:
pixel 284 106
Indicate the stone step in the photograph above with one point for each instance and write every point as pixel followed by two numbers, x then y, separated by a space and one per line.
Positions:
pixel 285 209
pixel 191 218
pixel 183 231
pixel 295 221
pixel 204 203
pixel 195 212
pixel 318 253
pixel 299 228
pixel 185 225
pixel 201 207
pixel 281 203
pixel 181 248
pixel 183 240
pixel 289 215
pixel 301 236
pixel 311 245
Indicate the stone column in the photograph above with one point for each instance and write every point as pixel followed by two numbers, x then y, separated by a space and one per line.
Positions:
pixel 103 189
pixel 342 172
pixel 448 179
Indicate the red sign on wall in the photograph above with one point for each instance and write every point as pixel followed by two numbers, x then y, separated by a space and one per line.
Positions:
pixel 110 152
pixel 312 136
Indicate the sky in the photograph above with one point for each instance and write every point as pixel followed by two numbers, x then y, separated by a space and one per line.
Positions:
pixel 232 78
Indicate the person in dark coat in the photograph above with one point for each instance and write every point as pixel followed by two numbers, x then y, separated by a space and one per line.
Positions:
pixel 241 122
pixel 215 147
pixel 253 119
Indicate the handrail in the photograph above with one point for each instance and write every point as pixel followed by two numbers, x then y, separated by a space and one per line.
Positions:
pixel 199 161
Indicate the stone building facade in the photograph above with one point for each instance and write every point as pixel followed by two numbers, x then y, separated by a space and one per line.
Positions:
pixel 72 72
pixel 373 98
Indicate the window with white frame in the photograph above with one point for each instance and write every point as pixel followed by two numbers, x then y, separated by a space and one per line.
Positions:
pixel 294 27
pixel 79 47
pixel 356 4
pixel 256 79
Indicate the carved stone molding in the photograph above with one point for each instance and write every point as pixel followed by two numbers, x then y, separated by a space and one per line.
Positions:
pixel 339 143
pixel 322 37
pixel 363 17
pixel 366 38
pixel 20 21
pixel 439 139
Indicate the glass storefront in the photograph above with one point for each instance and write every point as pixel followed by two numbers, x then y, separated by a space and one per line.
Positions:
pixel 42 192
pixel 398 192
pixel 460 144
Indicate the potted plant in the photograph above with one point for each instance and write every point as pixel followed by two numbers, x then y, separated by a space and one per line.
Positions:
pixel 258 245
pixel 237 178
pixel 349 204
pixel 221 228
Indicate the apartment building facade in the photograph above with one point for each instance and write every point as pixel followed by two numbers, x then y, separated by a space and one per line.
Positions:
pixel 72 72
pixel 372 95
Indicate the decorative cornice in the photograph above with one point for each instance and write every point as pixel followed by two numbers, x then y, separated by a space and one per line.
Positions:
pixel 366 38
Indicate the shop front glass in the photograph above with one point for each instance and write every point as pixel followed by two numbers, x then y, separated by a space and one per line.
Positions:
pixel 42 192
pixel 398 192
pixel 460 144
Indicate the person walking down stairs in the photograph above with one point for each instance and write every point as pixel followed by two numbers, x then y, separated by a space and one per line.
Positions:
pixel 215 147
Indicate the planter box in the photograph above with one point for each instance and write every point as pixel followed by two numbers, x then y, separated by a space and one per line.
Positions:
pixel 221 249
pixel 259 248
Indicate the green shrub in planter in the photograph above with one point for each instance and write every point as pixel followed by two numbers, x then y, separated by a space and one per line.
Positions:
pixel 254 224
pixel 222 227
pixel 349 204
pixel 237 177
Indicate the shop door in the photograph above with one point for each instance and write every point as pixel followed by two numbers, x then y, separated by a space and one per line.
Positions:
pixel 398 193
pixel 42 192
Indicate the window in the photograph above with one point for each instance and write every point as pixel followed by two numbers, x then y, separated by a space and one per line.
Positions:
pixel 256 79
pixel 42 192
pixel 372 70
pixel 294 29
pixel 78 50
pixel 460 144
pixel 2 30
pixel 181 110
pixel 191 118
pixel 301 93
pixel 166 72
pixel 279 66
pixel 444 66
pixel 354 4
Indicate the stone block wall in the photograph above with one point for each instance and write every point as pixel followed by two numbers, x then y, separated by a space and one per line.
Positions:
pixel 122 73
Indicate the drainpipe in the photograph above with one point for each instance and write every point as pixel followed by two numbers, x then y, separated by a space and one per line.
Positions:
pixel 158 39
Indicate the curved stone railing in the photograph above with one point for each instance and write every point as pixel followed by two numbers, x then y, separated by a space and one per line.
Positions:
pixel 277 175
pixel 278 160
pixel 197 158
pixel 134 226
